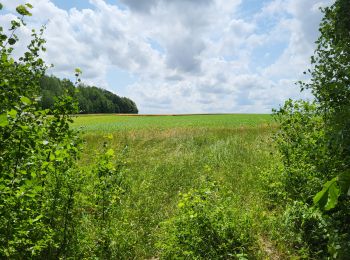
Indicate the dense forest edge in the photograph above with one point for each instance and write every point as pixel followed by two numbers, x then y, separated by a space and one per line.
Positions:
pixel 90 99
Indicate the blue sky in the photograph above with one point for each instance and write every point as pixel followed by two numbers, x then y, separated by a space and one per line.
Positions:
pixel 183 56
pixel 249 8
pixel 68 4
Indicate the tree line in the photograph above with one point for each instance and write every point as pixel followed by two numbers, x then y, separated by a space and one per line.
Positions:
pixel 91 99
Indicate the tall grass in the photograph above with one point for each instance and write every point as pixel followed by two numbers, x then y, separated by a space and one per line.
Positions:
pixel 172 157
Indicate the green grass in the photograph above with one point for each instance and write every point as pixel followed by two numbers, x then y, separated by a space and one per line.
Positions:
pixel 171 154
pixel 112 122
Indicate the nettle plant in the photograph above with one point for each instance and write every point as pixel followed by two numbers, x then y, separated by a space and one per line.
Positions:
pixel 37 154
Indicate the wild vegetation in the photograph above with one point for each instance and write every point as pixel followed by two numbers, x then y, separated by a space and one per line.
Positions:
pixel 40 179
pixel 314 138
pixel 175 187
pixel 90 99
pixel 199 183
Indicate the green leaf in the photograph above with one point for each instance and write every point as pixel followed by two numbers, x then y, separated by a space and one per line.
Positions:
pixel 110 152
pixel 3 37
pixel 327 198
pixel 26 100
pixel 15 24
pixel 11 41
pixel 12 113
pixel 1 6
pixel 3 121
pixel 31 221
pixel 22 10
pixel 29 5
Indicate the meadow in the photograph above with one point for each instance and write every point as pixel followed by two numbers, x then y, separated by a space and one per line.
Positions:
pixel 168 155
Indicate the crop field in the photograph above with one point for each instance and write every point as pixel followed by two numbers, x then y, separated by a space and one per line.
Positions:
pixel 110 123
pixel 169 155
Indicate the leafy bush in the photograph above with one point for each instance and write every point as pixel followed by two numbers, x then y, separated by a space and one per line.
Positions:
pixel 37 157
pixel 305 229
pixel 314 141
pixel 309 233
pixel 205 226
pixel 105 186
pixel 302 145
pixel 42 202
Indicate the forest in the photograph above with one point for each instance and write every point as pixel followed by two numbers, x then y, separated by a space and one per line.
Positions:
pixel 223 186
pixel 91 99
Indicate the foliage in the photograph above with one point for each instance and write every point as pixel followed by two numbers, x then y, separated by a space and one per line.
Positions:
pixel 328 197
pixel 314 140
pixel 304 229
pixel 37 156
pixel 90 99
pixel 107 194
pixel 301 142
pixel 42 202
pixel 330 83
pixel 14 75
pixel 98 231
pixel 205 227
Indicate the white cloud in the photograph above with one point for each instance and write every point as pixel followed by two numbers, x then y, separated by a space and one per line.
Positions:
pixel 302 30
pixel 186 55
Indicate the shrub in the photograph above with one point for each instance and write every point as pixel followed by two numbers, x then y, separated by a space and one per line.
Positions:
pixel 314 141
pixel 37 156
pixel 98 230
pixel 41 200
pixel 205 226
pixel 301 143
pixel 305 229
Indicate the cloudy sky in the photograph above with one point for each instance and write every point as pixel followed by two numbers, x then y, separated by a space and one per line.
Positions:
pixel 182 56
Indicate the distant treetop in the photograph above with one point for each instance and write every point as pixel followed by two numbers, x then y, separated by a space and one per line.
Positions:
pixel 91 99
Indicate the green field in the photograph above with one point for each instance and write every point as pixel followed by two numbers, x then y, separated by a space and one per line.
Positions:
pixel 110 123
pixel 167 155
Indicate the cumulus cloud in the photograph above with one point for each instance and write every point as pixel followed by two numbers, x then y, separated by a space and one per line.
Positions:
pixel 185 55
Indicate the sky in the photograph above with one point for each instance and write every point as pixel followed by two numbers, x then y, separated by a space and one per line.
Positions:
pixel 181 56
